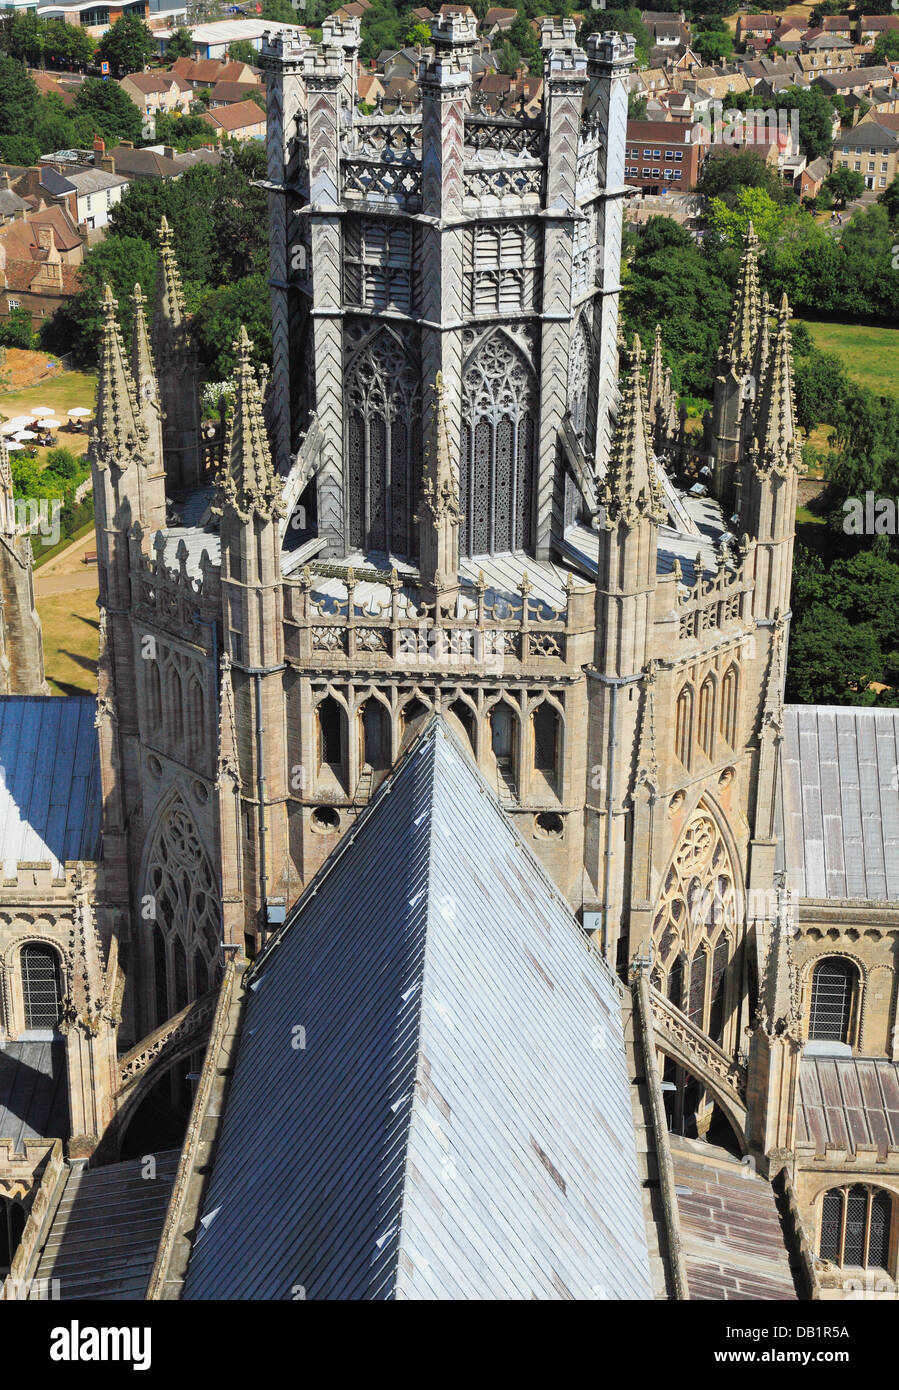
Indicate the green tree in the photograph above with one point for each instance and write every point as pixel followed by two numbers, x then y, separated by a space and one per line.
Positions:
pixel 419 35
pixel 102 108
pixel 218 320
pixel 671 281
pixel 890 200
pixel 886 47
pixel 636 108
pixel 820 382
pixel 16 330
pixel 242 51
pixel 18 99
pixel 182 132
pixel 120 261
pixel 844 184
pixel 832 660
pixel 753 205
pixel 69 43
pixel 180 45
pixel 127 46
pixel 713 47
pixel 726 172
pixel 280 11
pixel 64 464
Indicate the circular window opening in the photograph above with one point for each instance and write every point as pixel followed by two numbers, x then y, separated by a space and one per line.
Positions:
pixel 549 825
pixel 726 777
pixel 154 765
pixel 201 793
pixel 325 819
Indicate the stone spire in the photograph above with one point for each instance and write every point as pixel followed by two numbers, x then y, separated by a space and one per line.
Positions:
pixel 630 489
pixel 744 323
pixel 763 343
pixel 169 312
pixel 775 447
pixel 7 497
pixel 655 384
pixel 118 430
pixel 247 479
pixel 142 368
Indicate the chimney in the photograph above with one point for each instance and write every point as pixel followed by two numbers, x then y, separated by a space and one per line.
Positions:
pixel 45 238
pixel 107 163
pixel 169 151
pixel 99 145
pixel 126 144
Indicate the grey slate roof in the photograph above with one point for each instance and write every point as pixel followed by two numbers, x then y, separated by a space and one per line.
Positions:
pixel 35 1101
pixel 840 792
pixel 49 780
pixel 848 1101
pixel 458 1124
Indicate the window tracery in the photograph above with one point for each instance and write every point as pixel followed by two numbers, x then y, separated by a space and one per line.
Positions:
pixel 695 925
pixel 579 357
pixel 384 453
pixel 497 476
pixel 182 892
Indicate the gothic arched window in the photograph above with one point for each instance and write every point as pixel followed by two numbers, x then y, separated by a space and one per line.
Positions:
pixel 728 714
pixel 707 716
pixel 330 726
pixel 383 447
pixel 834 981
pixel 683 729
pixel 498 435
pixel 546 726
pixel 579 355
pixel 375 735
pixel 694 929
pixel 41 988
pixel 182 891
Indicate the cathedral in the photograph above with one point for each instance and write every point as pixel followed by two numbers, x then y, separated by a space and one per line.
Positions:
pixel 439 836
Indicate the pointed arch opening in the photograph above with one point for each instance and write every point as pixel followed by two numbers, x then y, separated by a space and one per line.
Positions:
pixel 695 929
pixel 383 448
pixel 683 727
pixel 181 894
pixel 706 721
pixel 374 721
pixel 498 446
pixel 547 735
pixel 727 726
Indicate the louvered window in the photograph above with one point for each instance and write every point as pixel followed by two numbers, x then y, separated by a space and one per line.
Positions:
pixel 41 987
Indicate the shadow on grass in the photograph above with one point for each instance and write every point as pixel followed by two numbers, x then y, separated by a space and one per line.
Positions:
pixel 66 688
pixel 87 662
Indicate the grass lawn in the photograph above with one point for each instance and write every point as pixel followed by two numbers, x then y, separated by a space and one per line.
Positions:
pixel 60 392
pixel 870 355
pixel 70 625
